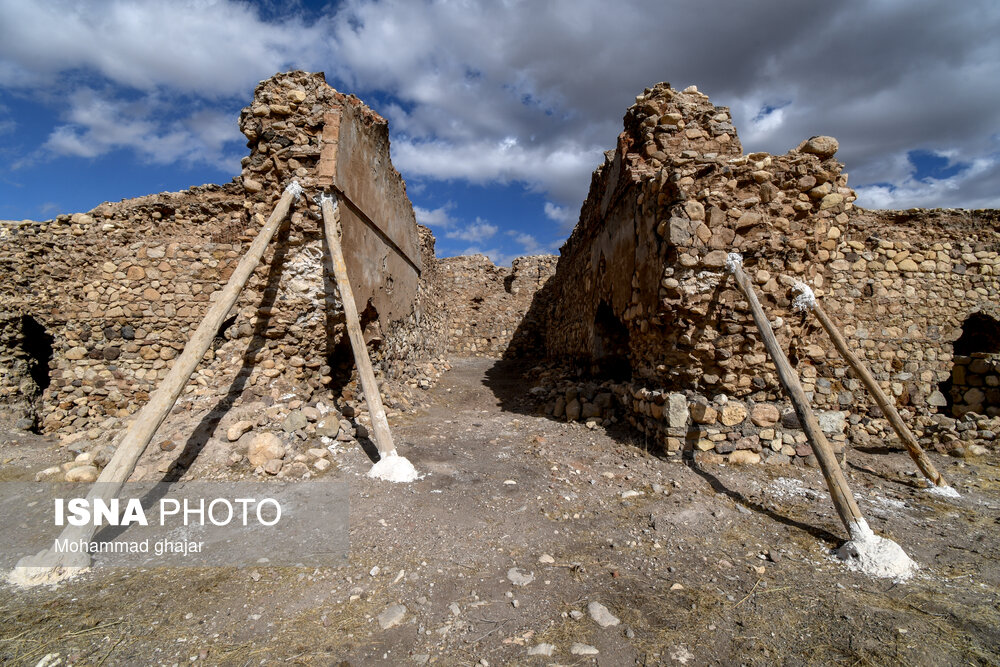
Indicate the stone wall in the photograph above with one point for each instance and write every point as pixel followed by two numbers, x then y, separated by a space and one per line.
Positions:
pixel 641 295
pixel 975 384
pixel 484 304
pixel 120 289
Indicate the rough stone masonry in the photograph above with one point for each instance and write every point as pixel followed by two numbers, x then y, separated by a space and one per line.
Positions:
pixel 96 305
pixel 640 294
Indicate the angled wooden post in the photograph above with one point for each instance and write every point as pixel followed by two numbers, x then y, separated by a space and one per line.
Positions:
pixel 840 492
pixel 383 437
pixel 807 301
pixel 43 566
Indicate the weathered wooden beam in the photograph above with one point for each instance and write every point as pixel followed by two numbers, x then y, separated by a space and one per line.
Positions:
pixel 383 437
pixel 43 566
pixel 840 492
pixel 808 301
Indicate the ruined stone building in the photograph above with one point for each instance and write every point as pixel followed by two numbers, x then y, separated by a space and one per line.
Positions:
pixel 640 293
pixel 96 305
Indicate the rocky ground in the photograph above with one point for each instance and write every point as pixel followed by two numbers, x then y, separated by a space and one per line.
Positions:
pixel 533 541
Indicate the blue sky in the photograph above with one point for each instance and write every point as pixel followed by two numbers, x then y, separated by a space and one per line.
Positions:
pixel 499 111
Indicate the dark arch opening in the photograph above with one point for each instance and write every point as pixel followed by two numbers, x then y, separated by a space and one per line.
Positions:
pixel 610 353
pixel 37 344
pixel 32 350
pixel 341 360
pixel 980 333
pixel 974 384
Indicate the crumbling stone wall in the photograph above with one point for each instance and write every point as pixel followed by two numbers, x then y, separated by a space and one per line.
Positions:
pixel 484 304
pixel 641 292
pixel 121 288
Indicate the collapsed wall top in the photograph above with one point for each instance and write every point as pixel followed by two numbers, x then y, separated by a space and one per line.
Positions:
pixel 670 201
pixel 298 127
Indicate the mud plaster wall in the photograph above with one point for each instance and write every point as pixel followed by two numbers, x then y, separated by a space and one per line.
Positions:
pixel 672 199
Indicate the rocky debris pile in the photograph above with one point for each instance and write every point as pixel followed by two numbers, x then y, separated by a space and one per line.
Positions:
pixel 287 431
pixel 969 435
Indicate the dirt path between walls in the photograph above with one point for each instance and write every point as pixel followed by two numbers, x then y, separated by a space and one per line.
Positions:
pixel 531 541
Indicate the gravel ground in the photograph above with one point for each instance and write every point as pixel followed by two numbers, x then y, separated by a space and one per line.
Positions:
pixel 530 541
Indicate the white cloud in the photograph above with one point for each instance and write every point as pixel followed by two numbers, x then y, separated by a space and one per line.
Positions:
pixel 973 187
pixel 523 92
pixel 439 217
pixel 98 124
pixel 561 214
pixel 214 49
pixel 474 232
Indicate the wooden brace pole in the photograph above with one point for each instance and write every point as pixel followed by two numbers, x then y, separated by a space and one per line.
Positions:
pixel 843 499
pixel 331 224
pixel 888 409
pixel 138 435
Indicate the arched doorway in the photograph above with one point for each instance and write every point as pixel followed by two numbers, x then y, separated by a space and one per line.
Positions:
pixel 29 354
pixel 610 351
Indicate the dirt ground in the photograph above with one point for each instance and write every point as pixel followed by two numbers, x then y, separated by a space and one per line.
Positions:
pixel 519 523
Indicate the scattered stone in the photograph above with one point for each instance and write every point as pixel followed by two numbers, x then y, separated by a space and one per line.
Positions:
pixel 744 457
pixel 583 649
pixel 295 421
pixel 236 431
pixel 84 473
pixel 542 649
pixel 600 614
pixel 519 577
pixel 328 426
pixel 263 448
pixel 392 616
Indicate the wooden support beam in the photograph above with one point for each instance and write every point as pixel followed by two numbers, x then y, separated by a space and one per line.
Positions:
pixel 138 435
pixel 888 409
pixel 840 492
pixel 383 437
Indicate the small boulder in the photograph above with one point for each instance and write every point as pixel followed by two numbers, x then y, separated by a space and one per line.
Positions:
pixel 82 474
pixel 765 415
pixel 600 614
pixel 236 431
pixel 392 616
pixel 821 146
pixel 263 448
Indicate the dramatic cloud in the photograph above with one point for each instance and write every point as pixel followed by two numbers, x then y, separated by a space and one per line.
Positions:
pixel 530 93
pixel 213 49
